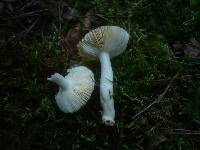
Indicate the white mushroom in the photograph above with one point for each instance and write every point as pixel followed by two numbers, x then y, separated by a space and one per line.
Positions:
pixel 75 88
pixel 104 43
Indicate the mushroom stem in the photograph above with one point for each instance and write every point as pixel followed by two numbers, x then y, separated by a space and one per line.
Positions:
pixel 59 79
pixel 106 89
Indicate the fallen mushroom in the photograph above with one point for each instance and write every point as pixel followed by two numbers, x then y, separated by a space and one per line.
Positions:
pixel 75 88
pixel 104 43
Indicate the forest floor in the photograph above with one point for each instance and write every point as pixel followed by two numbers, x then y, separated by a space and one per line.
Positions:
pixel 156 80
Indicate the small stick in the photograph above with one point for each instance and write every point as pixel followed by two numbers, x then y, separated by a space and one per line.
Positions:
pixel 156 101
pixel 182 132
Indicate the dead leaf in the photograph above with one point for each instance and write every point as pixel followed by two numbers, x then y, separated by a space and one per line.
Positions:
pixel 154 141
pixel 71 14
pixel 71 39
pixel 87 20
pixel 74 35
pixel 190 49
pixel 195 43
pixel 52 6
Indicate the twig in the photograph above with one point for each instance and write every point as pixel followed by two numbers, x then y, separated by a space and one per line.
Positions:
pixel 182 132
pixel 31 3
pixel 29 14
pixel 179 133
pixel 21 34
pixel 104 18
pixel 156 101
pixel 182 77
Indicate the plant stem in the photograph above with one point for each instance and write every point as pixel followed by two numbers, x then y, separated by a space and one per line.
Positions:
pixel 106 89
pixel 60 80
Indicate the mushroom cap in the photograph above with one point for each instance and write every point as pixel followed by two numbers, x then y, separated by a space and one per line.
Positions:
pixel 81 85
pixel 111 39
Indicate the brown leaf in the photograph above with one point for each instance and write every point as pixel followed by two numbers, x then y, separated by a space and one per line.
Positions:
pixel 191 49
pixel 52 6
pixel 87 20
pixel 74 35
pixel 71 39
pixel 71 14
pixel 154 141
pixel 195 43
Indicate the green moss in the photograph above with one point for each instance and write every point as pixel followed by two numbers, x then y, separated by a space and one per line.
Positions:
pixel 30 118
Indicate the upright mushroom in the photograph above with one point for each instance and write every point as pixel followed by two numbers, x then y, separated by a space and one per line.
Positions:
pixel 105 42
pixel 75 88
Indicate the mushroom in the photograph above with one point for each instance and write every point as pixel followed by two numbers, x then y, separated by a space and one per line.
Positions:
pixel 75 88
pixel 103 43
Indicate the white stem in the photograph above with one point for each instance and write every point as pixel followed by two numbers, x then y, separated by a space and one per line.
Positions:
pixel 106 89
pixel 59 79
